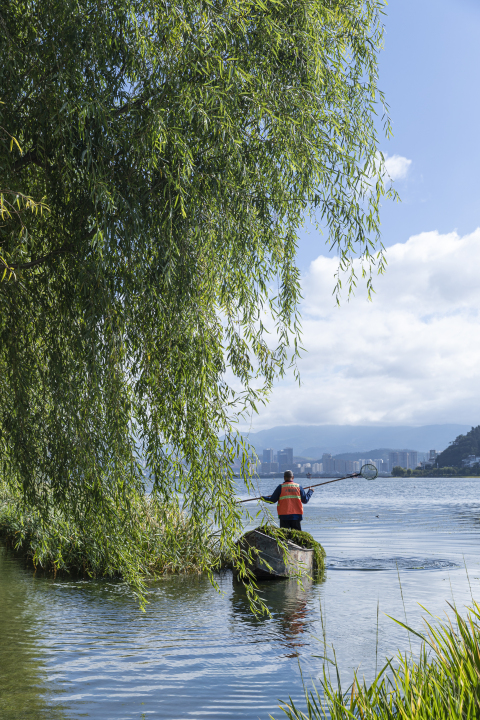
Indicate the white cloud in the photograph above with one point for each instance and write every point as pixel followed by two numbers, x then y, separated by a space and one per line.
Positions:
pixel 412 356
pixel 397 166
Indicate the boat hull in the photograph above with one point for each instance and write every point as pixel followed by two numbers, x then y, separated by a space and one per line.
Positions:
pixel 270 561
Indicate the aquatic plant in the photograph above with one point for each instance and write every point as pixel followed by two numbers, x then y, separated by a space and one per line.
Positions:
pixel 442 684
pixel 301 538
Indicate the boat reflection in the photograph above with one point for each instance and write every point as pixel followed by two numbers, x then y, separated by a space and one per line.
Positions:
pixel 292 612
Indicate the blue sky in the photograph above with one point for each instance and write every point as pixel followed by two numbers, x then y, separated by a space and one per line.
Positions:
pixel 413 355
pixel 430 73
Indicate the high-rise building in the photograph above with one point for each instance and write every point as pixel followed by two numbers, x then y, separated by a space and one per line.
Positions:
pixel 268 455
pixel 403 458
pixel 433 456
pixel 289 453
pixel 317 467
pixel 328 463
pixel 393 460
pixel 285 459
pixel 340 466
pixel 412 460
pixel 365 461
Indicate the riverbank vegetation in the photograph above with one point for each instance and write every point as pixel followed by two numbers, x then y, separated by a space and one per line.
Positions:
pixel 463 471
pixel 443 684
pixel 152 538
pixel 459 449
pixel 158 160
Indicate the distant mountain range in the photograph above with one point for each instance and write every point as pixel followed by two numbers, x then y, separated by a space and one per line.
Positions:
pixel 314 440
pixel 381 453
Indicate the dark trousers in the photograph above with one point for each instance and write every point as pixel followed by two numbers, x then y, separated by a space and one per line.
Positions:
pixel 286 521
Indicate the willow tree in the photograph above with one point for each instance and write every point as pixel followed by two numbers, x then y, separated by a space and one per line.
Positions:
pixel 174 149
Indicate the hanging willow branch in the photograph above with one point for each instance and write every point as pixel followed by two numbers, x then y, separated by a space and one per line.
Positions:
pixel 179 147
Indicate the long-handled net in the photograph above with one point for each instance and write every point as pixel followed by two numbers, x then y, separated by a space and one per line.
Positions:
pixel 367 471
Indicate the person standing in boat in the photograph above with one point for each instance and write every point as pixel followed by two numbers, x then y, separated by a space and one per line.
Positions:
pixel 291 498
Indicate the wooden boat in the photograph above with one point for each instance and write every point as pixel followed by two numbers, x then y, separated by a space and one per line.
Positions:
pixel 270 560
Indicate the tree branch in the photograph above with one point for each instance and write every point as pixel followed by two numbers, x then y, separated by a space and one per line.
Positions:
pixel 128 106
pixel 44 258
pixel 39 261
pixel 29 157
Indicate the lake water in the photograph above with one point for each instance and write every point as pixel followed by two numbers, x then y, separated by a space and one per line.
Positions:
pixel 80 649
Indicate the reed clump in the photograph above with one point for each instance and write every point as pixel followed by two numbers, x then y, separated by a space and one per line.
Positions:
pixel 444 684
pixel 156 537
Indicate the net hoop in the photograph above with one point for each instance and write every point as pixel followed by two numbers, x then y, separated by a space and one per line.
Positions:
pixel 369 471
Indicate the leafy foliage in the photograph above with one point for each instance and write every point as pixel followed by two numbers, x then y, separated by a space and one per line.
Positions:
pixel 175 149
pixel 460 448
pixel 464 471
pixel 159 540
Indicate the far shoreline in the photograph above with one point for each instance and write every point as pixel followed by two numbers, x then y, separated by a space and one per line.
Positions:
pixel 302 476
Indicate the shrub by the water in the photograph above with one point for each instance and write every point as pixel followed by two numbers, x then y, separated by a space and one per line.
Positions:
pixel 443 684
pixel 158 540
pixel 301 538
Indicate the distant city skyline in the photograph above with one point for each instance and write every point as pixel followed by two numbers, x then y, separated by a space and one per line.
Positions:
pixel 279 461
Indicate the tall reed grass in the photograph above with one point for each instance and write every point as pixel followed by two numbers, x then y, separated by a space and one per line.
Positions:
pixel 444 683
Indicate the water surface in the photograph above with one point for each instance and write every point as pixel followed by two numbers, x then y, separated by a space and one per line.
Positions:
pixel 75 648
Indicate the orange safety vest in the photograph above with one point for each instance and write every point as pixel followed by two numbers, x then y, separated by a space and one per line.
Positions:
pixel 290 501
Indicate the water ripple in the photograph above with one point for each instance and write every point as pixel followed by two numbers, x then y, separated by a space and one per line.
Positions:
pixel 71 649
pixel 373 564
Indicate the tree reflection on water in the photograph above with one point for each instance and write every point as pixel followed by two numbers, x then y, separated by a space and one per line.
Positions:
pixel 25 691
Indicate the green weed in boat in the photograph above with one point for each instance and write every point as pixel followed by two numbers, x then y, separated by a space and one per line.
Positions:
pixel 301 538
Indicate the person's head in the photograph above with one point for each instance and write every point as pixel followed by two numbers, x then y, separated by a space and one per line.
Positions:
pixel 288 475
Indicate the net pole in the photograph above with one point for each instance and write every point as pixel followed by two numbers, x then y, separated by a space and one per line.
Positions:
pixel 249 499
pixel 309 487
